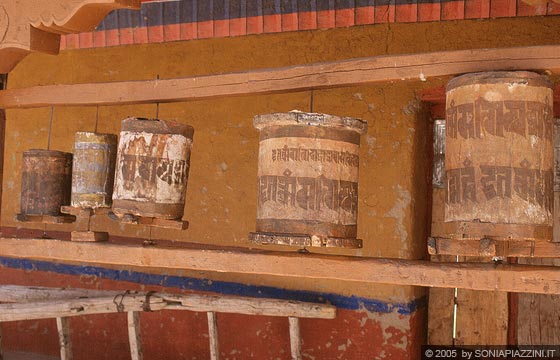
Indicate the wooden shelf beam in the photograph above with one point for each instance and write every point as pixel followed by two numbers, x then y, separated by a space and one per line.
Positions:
pixel 494 277
pixel 295 78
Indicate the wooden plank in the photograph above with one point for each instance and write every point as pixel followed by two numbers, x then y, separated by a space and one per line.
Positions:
pixel 1 348
pixel 440 311
pixel 132 301
pixel 482 316
pixel 89 236
pixel 134 338
pixel 295 338
pixel 18 293
pixel 493 247
pixel 154 259
pixel 63 327
pixel 295 78
pixel 213 335
pixel 538 314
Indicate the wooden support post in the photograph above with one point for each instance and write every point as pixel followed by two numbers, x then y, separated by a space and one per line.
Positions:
pixel 1 352
pixel 63 326
pixel 134 337
pixel 295 338
pixel 213 335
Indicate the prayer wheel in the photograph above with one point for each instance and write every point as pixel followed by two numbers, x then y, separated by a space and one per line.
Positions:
pixel 308 179
pixel 153 159
pixel 499 153
pixel 93 170
pixel 45 181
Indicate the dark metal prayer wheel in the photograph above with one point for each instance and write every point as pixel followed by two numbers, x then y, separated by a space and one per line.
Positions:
pixel 499 154
pixel 93 169
pixel 153 160
pixel 45 181
pixel 308 179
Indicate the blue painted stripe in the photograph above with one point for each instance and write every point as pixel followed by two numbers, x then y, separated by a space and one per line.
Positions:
pixel 221 287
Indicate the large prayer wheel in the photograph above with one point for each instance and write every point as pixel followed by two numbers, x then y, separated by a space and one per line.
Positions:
pixel 499 152
pixel 153 160
pixel 308 179
pixel 45 181
pixel 93 169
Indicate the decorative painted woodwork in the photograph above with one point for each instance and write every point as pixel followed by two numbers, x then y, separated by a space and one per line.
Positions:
pixel 35 26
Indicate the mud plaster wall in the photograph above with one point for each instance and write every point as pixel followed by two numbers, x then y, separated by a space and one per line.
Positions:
pixel 221 195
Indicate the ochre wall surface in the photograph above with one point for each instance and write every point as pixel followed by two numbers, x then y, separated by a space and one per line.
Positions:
pixel 394 181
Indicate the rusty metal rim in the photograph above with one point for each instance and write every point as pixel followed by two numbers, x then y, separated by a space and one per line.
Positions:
pixel 309 119
pixel 157 126
pixel 496 77
pixel 46 153
pixel 88 136
pixel 304 240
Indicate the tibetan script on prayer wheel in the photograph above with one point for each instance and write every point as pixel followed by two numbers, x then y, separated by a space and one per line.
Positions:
pixel 308 178
pixel 499 149
pixel 153 160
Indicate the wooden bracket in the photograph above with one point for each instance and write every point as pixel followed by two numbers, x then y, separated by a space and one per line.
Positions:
pixel 28 26
pixel 46 219
pixel 150 221
pixel 86 213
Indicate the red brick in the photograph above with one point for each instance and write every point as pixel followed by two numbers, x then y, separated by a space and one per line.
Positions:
pixel 140 35
pixel 477 9
pixel 325 19
pixel 384 13
pixel 524 9
pixel 429 11
pixel 126 36
pixel 72 41
pixel 112 37
pixel 205 29
pixel 98 39
pixel 255 25
pixel 290 22
pixel 221 28
pixel 503 8
pixel 272 23
pixel 172 32
pixel 344 17
pixel 552 8
pixel 238 26
pixel 155 34
pixel 406 13
pixel 453 10
pixel 365 15
pixel 62 45
pixel 307 20
pixel 188 31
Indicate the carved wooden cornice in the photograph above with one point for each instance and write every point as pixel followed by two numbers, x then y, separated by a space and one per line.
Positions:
pixel 28 26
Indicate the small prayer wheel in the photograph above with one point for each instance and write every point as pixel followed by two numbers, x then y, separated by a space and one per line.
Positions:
pixel 93 170
pixel 153 160
pixel 45 181
pixel 308 179
pixel 499 154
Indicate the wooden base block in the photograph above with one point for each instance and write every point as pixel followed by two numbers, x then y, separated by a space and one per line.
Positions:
pixel 83 212
pixel 303 240
pixel 46 219
pixel 150 221
pixel 494 247
pixel 89 236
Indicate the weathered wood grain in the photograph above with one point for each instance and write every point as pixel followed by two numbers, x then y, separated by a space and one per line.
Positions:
pixel 295 78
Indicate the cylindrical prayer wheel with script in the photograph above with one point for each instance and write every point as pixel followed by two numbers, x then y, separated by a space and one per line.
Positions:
pixel 499 160
pixel 45 181
pixel 153 160
pixel 308 179
pixel 93 169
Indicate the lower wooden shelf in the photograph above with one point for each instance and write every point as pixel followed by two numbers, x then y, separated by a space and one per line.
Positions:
pixel 156 259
